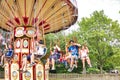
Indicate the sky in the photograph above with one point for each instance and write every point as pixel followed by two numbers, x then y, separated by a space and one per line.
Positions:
pixel 86 7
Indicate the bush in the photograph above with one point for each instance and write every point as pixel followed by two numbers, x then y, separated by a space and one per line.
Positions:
pixel 60 68
pixel 93 70
pixel 1 69
pixel 108 66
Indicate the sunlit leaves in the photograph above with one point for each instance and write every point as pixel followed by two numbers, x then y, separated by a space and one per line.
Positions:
pixel 98 31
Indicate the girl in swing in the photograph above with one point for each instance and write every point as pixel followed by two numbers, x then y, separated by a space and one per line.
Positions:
pixel 55 56
pixel 84 56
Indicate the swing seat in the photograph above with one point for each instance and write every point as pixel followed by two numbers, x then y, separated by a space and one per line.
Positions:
pixel 41 52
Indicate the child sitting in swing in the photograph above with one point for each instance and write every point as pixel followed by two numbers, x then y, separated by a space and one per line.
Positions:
pixel 55 55
pixel 7 55
pixel 33 55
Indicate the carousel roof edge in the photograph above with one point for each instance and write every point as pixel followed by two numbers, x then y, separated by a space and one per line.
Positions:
pixel 4 29
pixel 66 27
pixel 75 17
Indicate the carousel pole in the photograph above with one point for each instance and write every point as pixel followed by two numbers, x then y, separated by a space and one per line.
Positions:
pixel 43 32
pixel 44 60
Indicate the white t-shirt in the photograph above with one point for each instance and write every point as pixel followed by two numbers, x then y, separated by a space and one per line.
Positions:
pixel 84 53
pixel 41 50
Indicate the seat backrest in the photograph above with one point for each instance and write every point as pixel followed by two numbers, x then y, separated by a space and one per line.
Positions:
pixel 41 52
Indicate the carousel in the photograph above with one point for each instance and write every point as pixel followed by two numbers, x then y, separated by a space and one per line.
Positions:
pixel 26 19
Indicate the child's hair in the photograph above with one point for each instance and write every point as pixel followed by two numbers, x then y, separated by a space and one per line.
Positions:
pixel 55 44
pixel 41 42
pixel 85 46
pixel 71 41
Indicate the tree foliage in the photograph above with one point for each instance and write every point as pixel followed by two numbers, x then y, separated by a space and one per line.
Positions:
pixel 99 31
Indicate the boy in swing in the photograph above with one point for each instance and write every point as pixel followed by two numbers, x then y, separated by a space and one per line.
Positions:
pixel 37 53
pixel 74 51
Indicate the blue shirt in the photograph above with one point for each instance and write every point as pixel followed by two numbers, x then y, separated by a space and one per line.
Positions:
pixel 9 53
pixel 73 49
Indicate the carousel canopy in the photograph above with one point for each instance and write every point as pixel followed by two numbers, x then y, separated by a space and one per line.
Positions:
pixel 50 15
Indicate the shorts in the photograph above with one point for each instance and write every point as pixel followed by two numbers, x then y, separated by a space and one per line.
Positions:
pixel 9 54
pixel 69 56
pixel 29 57
pixel 54 56
pixel 75 57
pixel 84 56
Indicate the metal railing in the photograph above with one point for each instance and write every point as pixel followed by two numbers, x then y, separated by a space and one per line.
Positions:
pixel 84 76
pixel 73 76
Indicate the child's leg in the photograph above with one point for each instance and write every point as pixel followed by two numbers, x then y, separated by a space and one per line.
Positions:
pixel 88 61
pixel 76 63
pixel 2 59
pixel 24 64
pixel 53 64
pixel 83 62
pixel 72 61
pixel 32 58
pixel 65 63
pixel 47 64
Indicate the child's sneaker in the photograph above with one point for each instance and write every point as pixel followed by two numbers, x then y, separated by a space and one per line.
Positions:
pixel 32 64
pixel 90 66
pixel 75 66
pixel 25 71
pixel 19 70
pixel 53 69
pixel 4 66
pixel 70 69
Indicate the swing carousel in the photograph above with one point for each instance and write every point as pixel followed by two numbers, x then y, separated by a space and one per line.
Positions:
pixel 26 19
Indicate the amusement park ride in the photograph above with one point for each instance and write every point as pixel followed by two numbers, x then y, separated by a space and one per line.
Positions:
pixel 26 19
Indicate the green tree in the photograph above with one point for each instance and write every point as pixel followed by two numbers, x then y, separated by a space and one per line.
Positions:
pixel 98 31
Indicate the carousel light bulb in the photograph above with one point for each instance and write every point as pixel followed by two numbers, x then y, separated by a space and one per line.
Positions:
pixel 64 4
pixel 64 21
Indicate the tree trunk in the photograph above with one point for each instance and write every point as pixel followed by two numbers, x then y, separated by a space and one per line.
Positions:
pixel 101 69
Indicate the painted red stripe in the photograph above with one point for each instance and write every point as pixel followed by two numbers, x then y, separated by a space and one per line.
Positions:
pixel 34 20
pixel 68 2
pixel 46 26
pixel 25 19
pixel 42 22
pixel 25 7
pixel 9 71
pixel 10 8
pixel 3 15
pixel 41 8
pixel 44 71
pixel 34 72
pixel 17 20
pixel 10 22
pixel 32 9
